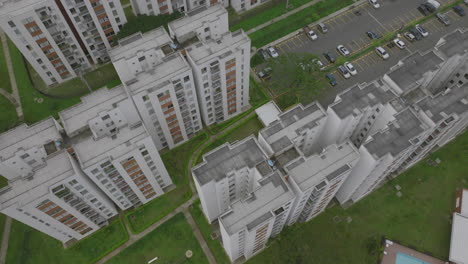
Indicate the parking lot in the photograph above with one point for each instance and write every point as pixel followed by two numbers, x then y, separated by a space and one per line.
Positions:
pixel 349 28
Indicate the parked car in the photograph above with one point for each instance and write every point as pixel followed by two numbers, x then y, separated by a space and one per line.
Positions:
pixel 264 54
pixel 443 18
pixel 265 73
pixel 273 52
pixel 433 3
pixel 331 79
pixel 459 10
pixel 382 53
pixel 430 7
pixel 466 2
pixel 322 28
pixel 399 43
pixel 344 72
pixel 421 30
pixel 310 33
pixel 374 3
pixel 410 37
pixel 319 63
pixel 372 35
pixel 423 9
pixel 343 50
pixel 415 33
pixel 350 68
pixel 329 56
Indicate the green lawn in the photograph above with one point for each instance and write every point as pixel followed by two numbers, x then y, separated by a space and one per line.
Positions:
pixel 206 230
pixel 30 246
pixel 420 218
pixel 297 21
pixel 248 127
pixel 176 161
pixel 169 242
pixel 4 76
pixel 8 117
pixel 129 13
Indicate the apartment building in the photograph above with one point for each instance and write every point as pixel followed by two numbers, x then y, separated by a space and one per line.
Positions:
pixel 316 179
pixel 220 61
pixel 241 6
pixel 300 125
pixel 44 37
pixel 112 147
pixel 95 22
pixel 154 8
pixel 160 82
pixel 459 237
pixel 250 222
pixel 46 189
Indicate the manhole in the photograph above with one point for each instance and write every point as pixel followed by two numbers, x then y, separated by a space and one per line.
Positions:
pixel 188 253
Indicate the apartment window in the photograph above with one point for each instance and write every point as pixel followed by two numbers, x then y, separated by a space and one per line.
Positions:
pixel 39 61
pixel 203 70
pixel 186 79
pixel 11 23
pixel 111 4
pixel 207 29
pixel 140 59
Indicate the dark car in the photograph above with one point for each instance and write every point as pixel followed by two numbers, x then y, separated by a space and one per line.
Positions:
pixel 329 56
pixel 331 79
pixel 423 9
pixel 417 35
pixel 443 18
pixel 372 35
pixel 459 10
pixel 264 54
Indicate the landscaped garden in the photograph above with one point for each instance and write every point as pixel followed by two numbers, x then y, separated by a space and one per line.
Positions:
pixel 168 243
pixel 420 218
pixel 27 245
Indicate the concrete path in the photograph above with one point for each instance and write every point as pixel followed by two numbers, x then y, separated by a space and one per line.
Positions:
pixel 283 16
pixel 200 238
pixel 14 86
pixel 5 240
pixel 8 96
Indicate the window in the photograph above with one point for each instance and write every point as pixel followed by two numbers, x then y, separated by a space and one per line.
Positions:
pixel 11 23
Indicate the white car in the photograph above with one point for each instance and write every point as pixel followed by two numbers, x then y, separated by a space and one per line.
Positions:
pixel 382 53
pixel 350 68
pixel 344 72
pixel 374 3
pixel 399 43
pixel 319 63
pixel 273 52
pixel 421 30
pixel 312 35
pixel 343 50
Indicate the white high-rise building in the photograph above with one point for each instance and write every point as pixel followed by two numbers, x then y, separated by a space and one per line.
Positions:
pixel 44 37
pixel 154 8
pixel 220 61
pixel 111 144
pixel 160 82
pixel 46 188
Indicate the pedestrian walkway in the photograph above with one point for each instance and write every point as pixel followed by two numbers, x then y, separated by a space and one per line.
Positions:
pixel 8 96
pixel 14 86
pixel 199 237
pixel 5 240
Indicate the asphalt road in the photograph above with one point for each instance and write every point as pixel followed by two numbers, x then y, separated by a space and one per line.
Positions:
pixel 349 29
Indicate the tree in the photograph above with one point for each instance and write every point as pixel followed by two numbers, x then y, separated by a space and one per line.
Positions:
pixel 295 76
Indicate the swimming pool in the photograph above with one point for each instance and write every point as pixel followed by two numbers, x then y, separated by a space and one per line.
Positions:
pixel 406 259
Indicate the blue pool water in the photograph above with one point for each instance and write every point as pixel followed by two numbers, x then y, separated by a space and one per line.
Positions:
pixel 405 259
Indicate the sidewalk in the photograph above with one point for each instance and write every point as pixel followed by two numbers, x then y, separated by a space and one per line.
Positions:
pixel 5 240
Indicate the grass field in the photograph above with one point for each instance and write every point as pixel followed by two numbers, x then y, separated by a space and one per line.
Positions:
pixel 176 161
pixel 296 21
pixel 206 230
pixel 4 76
pixel 248 127
pixel 168 243
pixel 28 245
pixel 420 218
pixel 8 117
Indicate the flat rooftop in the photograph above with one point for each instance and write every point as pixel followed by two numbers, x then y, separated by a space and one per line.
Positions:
pixel 76 117
pixel 128 47
pixel 14 8
pixel 224 46
pixel 359 97
pixel 58 167
pixel 218 162
pixel 195 19
pixel 259 206
pixel 268 113
pixel 397 137
pixel 441 106
pixel 26 137
pixel 455 43
pixel 331 163
pixel 459 239
pixel 411 71
pixel 291 123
